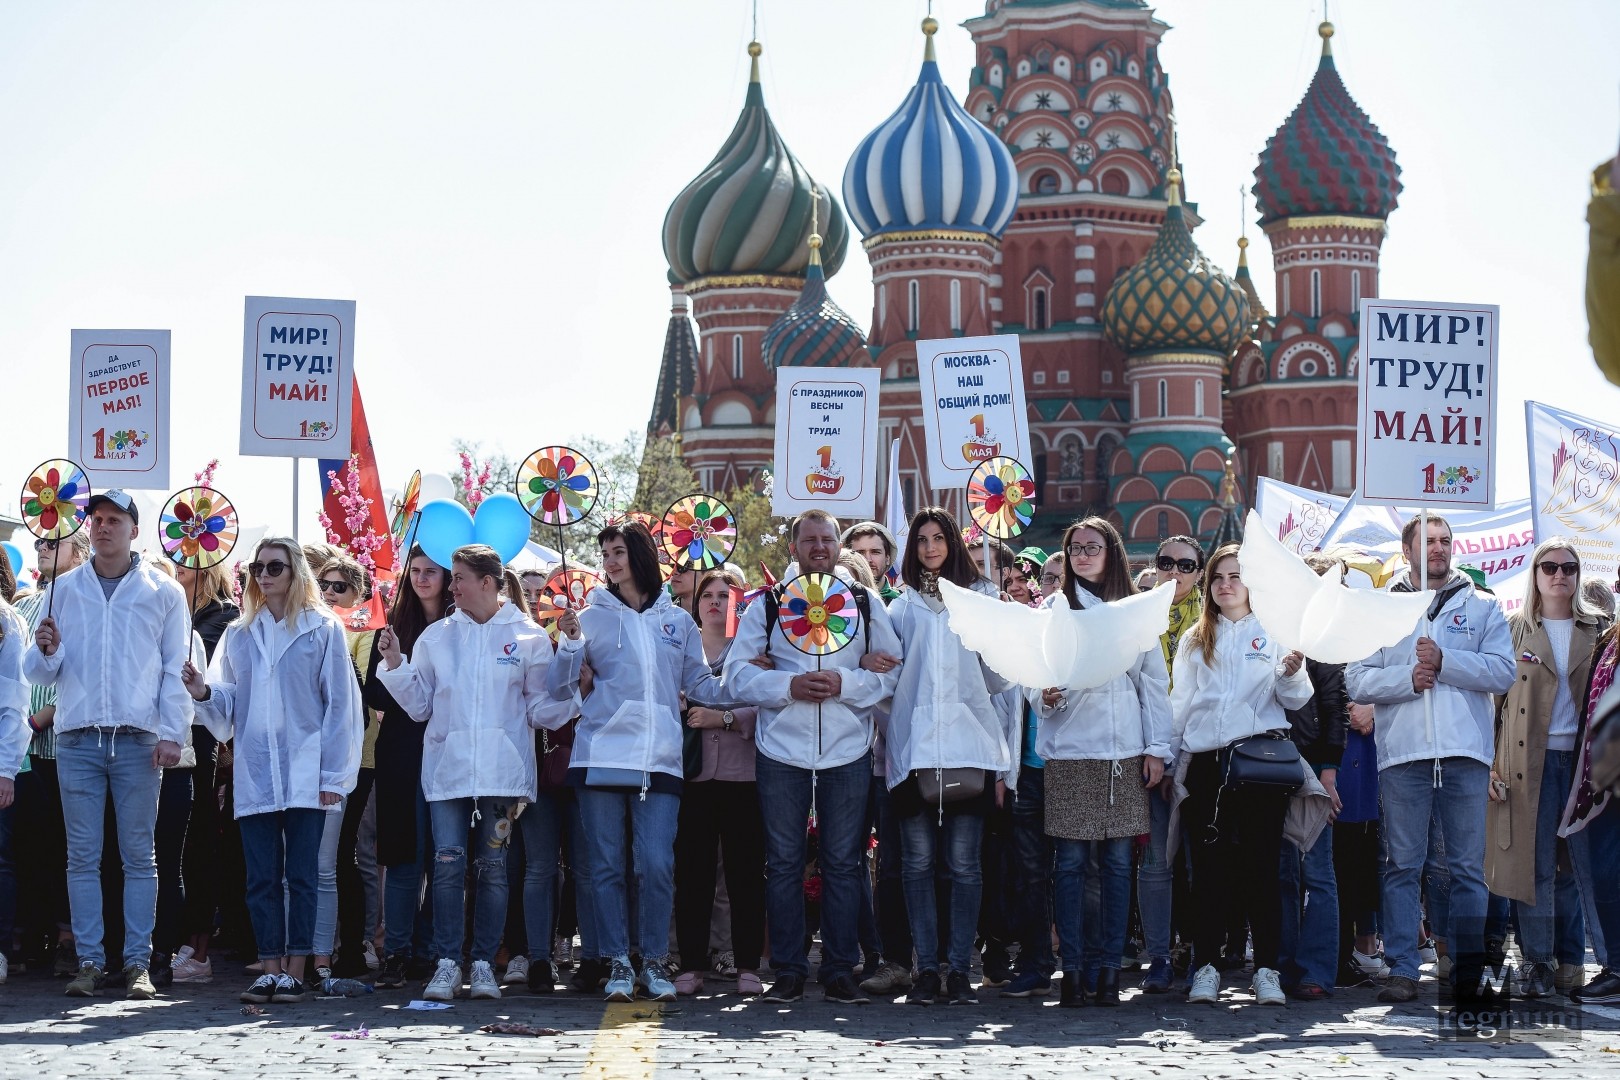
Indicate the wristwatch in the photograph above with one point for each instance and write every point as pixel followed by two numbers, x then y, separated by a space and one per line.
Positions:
pixel 727 719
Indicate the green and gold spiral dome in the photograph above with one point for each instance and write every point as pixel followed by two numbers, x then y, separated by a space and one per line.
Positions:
pixel 1175 299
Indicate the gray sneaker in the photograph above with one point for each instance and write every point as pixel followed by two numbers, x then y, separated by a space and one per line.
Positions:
pixel 889 978
pixel 138 984
pixel 1398 989
pixel 87 982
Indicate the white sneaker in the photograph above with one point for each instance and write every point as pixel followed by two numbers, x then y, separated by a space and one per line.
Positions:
pixel 1267 987
pixel 1442 970
pixel 483 980
pixel 1205 988
pixel 517 972
pixel 445 982
pixel 562 951
pixel 1372 966
pixel 1427 953
pixel 188 969
pixel 371 957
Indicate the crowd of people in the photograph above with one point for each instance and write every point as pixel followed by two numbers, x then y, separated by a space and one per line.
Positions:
pixel 471 802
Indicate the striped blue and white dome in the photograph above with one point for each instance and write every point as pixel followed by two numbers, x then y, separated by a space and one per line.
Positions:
pixel 931 166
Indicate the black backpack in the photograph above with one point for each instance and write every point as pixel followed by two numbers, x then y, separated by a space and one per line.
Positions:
pixel 773 611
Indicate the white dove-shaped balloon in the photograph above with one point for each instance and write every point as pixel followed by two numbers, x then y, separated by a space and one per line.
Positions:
pixel 1059 646
pixel 1318 615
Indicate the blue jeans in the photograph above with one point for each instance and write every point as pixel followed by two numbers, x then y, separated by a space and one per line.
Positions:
pixel 488 820
pixel 1599 844
pixel 404 918
pixel 1310 914
pixel 959 836
pixel 1437 884
pixel 652 820
pixel 326 894
pixel 1154 881
pixel 1410 800
pixel 1073 859
pixel 785 796
pixel 279 846
pixel 1032 874
pixel 89 768
pixel 1536 921
pixel 542 825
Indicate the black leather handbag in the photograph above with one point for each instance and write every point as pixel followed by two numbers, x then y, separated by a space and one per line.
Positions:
pixel 940 786
pixel 1265 764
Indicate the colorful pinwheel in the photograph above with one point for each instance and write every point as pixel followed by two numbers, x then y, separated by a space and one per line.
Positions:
pixel 405 508
pixel 699 532
pixel 556 485
pixel 54 499
pixel 1001 497
pixel 566 590
pixel 818 614
pixel 198 527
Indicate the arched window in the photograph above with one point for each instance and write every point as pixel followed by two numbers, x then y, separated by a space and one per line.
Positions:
pixel 1287 297
pixel 1104 459
pixel 1198 398
pixel 736 356
pixel 1164 524
pixel 1038 316
pixel 1164 397
pixel 1355 290
pixel 882 304
pixel 1316 294
pixel 956 304
pixel 1045 183
pixel 913 306
pixel 1115 182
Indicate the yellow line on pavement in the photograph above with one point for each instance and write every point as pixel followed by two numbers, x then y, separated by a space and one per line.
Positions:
pixel 626 1043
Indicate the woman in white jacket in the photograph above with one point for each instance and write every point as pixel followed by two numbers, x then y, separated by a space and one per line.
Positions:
pixel 281 684
pixel 1232 682
pixel 643 651
pixel 942 719
pixel 478 679
pixel 1104 747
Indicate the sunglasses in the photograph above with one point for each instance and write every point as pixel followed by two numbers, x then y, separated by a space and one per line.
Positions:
pixel 1185 566
pixel 45 545
pixel 1090 551
pixel 339 587
pixel 1551 568
pixel 267 569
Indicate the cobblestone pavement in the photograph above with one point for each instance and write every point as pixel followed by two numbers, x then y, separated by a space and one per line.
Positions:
pixel 201 1031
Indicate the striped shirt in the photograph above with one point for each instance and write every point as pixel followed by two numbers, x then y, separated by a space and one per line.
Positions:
pixel 32 609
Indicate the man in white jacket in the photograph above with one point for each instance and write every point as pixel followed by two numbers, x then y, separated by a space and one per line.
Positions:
pixel 113 647
pixel 1434 760
pixel 814 738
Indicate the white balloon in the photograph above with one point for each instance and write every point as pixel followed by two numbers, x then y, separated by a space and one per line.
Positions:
pixel 436 486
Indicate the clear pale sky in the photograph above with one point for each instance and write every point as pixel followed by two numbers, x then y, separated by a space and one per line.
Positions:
pixel 489 181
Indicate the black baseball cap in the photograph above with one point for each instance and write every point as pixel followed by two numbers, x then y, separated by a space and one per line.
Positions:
pixel 119 499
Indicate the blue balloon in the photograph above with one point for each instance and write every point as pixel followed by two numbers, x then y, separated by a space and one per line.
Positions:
pixel 14 556
pixel 503 524
pixel 443 526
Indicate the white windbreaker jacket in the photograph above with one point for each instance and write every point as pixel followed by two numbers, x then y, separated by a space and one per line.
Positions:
pixel 1477 661
pixel 1243 693
pixel 482 689
pixel 642 661
pixel 117 662
pixel 798 732
pixel 14 730
pixel 943 715
pixel 1127 716
pixel 287 694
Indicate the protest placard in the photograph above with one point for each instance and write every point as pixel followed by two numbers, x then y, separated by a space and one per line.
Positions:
pixel 297 375
pixel 1575 484
pixel 118 407
pixel 826 441
pixel 972 392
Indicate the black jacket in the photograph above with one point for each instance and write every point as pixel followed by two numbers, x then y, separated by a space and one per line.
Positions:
pixel 1318 728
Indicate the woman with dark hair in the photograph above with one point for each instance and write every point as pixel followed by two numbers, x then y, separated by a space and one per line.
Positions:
pixel 626 767
pixel 403 830
pixel 478 682
pixel 1104 748
pixel 1232 682
pixel 945 747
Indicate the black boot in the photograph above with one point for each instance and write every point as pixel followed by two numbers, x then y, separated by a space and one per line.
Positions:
pixel 1072 993
pixel 1108 987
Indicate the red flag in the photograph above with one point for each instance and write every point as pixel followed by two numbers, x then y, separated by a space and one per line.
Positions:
pixel 370 488
pixel 734 603
pixel 770 578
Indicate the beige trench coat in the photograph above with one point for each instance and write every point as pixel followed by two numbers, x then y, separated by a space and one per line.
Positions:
pixel 1523 716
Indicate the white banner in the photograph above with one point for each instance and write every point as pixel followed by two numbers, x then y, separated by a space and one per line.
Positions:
pixel 1428 404
pixel 826 441
pixel 118 407
pixel 1575 484
pixel 972 405
pixel 297 377
pixel 1499 542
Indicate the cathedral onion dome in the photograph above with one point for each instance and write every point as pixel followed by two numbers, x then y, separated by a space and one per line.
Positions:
pixel 1174 299
pixel 931 166
pixel 1327 158
pixel 814 332
pixel 1245 281
pixel 749 211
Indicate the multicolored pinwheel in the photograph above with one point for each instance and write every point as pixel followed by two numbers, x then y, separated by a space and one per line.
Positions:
pixel 1001 497
pixel 197 528
pixel 556 485
pixel 699 532
pixel 566 590
pixel 54 498
pixel 405 507
pixel 818 614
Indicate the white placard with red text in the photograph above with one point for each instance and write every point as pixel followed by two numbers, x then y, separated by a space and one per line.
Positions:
pixel 297 377
pixel 972 405
pixel 826 441
pixel 118 407
pixel 1428 404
